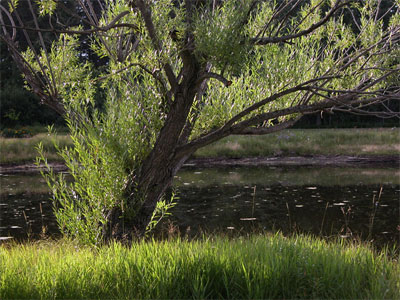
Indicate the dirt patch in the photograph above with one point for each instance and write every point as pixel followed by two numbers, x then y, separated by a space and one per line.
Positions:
pixel 375 148
pixel 234 146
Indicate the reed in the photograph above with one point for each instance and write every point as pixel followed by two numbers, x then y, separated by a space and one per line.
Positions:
pixel 256 267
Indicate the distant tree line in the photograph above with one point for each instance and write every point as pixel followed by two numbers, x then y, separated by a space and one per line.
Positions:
pixel 18 106
pixel 345 120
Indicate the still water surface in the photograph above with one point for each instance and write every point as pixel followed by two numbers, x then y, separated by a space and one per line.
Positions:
pixel 362 202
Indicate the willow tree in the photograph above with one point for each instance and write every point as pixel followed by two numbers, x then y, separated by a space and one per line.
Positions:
pixel 180 75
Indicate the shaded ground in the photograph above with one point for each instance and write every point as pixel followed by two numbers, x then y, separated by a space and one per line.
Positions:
pixel 316 160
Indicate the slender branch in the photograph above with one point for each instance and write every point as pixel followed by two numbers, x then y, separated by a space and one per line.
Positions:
pixel 379 114
pixel 10 18
pixel 355 21
pixel 124 69
pixel 146 14
pixel 282 39
pixel 342 100
pixel 286 17
pixel 70 31
pixel 89 3
pixel 275 15
pixel 309 13
pixel 301 87
pixel 88 14
pixel 36 83
pixel 41 87
pixel 53 85
pixel 226 129
pixel 269 129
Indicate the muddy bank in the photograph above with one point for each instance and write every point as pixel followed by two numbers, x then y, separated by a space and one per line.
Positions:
pixel 30 168
pixel 318 160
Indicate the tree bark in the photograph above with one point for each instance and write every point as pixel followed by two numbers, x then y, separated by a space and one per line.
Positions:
pixel 161 165
pixel 148 193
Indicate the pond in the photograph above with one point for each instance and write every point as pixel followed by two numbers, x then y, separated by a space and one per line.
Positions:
pixel 328 201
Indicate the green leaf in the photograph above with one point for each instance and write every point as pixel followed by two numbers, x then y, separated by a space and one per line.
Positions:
pixel 46 7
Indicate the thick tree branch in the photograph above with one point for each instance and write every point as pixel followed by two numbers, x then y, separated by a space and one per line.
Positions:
pixel 10 18
pixel 346 100
pixel 207 75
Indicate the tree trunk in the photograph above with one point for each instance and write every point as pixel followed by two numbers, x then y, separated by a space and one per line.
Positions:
pixel 125 229
pixel 158 169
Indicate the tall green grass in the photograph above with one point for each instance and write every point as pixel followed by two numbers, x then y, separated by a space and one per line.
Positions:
pixel 23 150
pixel 257 267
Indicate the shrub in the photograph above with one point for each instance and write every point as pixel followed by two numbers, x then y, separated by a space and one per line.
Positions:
pixel 16 133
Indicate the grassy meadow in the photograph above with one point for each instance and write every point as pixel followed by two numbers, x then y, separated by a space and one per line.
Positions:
pixel 256 267
pixel 23 150
pixel 380 141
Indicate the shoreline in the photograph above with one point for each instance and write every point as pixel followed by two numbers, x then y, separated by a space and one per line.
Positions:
pixel 283 161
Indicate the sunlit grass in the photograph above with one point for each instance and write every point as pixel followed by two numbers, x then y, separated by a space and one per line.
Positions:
pixel 258 267
pixel 23 150
pixel 379 141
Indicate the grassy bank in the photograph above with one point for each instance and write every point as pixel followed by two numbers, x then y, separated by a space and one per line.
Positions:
pixel 23 150
pixel 256 267
pixel 380 141
pixel 377 141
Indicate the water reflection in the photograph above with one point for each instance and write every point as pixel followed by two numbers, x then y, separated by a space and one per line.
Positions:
pixel 329 201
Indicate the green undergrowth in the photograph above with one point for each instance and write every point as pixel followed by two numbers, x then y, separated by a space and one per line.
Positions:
pixel 255 267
